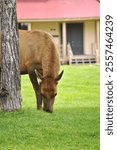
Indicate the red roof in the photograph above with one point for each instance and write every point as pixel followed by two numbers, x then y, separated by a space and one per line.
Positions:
pixel 57 9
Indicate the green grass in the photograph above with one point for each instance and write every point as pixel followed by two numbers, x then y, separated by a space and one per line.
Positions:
pixel 74 125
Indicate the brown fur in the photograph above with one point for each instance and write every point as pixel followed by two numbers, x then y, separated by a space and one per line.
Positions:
pixel 39 57
pixel 37 51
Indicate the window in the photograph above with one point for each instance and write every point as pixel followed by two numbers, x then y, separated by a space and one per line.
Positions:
pixel 23 26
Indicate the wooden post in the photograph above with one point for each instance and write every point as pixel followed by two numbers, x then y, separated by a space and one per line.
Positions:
pixel 10 97
pixel 64 39
pixel 97 42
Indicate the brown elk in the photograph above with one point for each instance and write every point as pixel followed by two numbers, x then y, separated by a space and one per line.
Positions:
pixel 39 58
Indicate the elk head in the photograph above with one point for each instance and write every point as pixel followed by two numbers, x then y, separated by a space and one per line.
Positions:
pixel 48 90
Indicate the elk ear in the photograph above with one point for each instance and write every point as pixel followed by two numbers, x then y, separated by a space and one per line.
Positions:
pixel 59 76
pixel 39 75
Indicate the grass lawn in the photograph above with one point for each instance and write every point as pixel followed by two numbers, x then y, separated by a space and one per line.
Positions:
pixel 74 125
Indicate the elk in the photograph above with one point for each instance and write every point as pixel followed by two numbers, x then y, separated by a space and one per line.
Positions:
pixel 39 57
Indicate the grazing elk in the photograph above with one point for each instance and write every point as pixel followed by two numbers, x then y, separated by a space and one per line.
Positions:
pixel 40 59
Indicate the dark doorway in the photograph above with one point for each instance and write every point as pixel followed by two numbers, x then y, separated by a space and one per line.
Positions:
pixel 75 37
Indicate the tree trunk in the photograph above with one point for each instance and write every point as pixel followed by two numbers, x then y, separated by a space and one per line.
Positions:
pixel 10 96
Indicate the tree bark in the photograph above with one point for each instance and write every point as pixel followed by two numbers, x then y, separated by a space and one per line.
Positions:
pixel 10 96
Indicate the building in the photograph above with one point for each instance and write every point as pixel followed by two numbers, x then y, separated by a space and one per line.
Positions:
pixel 71 22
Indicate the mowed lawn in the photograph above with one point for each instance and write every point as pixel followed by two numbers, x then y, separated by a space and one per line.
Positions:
pixel 74 125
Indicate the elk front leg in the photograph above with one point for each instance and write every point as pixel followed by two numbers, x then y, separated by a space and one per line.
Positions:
pixel 35 84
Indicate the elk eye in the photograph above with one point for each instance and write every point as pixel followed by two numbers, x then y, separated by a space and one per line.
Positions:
pixel 55 94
